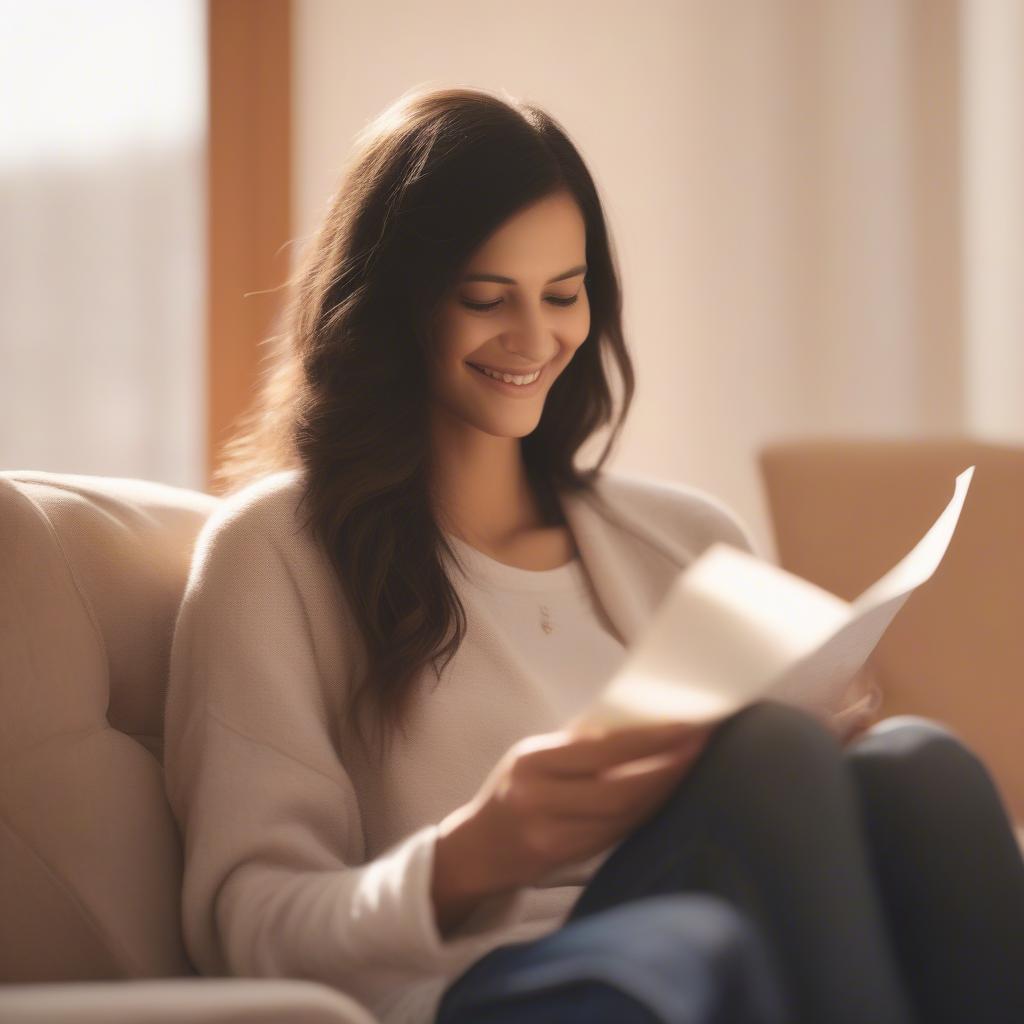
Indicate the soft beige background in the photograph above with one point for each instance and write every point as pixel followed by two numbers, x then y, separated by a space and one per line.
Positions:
pixel 103 238
pixel 816 206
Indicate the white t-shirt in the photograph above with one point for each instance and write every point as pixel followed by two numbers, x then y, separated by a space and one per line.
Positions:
pixel 552 618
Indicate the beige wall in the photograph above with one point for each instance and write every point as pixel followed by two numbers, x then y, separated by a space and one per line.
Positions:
pixel 782 182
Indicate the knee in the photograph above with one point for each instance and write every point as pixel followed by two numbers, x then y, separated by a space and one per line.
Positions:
pixel 909 757
pixel 913 742
pixel 769 733
pixel 768 756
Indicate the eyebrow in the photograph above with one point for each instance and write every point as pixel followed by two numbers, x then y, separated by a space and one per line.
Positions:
pixel 498 279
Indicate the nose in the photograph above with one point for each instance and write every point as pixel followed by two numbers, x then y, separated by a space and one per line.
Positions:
pixel 530 339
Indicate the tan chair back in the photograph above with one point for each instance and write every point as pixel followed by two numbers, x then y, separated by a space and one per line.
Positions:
pixel 846 511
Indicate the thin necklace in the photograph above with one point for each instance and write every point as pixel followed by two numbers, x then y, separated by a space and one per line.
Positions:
pixel 545 614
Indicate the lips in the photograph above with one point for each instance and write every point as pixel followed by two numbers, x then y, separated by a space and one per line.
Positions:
pixel 511 373
pixel 510 387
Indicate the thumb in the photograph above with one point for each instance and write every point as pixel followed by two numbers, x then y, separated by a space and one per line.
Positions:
pixel 857 715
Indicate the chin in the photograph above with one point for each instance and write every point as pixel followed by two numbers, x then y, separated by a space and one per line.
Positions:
pixel 520 429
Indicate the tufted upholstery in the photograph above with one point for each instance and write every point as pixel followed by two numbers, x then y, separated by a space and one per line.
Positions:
pixel 92 570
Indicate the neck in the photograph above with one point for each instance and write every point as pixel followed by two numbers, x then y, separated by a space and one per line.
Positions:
pixel 480 486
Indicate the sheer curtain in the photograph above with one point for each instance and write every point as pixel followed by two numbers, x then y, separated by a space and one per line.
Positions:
pixel 993 157
pixel 102 244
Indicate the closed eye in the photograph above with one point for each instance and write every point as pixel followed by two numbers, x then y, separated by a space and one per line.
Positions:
pixel 482 307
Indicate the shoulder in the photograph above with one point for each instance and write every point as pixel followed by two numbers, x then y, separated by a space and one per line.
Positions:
pixel 682 512
pixel 262 514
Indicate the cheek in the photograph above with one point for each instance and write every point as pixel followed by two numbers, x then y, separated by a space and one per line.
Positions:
pixel 461 334
pixel 579 330
pixel 581 322
pixel 452 340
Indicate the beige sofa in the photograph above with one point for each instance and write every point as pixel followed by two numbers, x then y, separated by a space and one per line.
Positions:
pixel 91 573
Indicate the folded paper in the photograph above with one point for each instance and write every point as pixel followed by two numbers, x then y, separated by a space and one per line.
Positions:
pixel 734 629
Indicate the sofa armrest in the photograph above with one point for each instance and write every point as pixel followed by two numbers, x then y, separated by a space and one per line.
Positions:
pixel 180 1000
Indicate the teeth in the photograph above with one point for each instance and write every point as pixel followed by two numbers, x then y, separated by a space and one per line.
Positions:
pixel 510 378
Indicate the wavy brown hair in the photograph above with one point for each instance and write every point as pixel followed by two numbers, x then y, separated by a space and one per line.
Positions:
pixel 342 395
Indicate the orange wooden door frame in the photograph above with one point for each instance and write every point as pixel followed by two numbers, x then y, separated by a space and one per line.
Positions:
pixel 248 200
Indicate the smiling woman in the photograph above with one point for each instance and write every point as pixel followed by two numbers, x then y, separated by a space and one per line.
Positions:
pixel 476 858
pixel 490 353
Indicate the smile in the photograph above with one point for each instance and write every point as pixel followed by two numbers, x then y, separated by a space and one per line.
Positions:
pixel 513 380
pixel 517 379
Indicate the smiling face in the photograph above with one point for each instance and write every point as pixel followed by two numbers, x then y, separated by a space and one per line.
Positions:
pixel 527 324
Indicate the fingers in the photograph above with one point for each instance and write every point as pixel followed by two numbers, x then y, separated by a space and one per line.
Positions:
pixel 863 682
pixel 621 791
pixel 857 716
pixel 866 705
pixel 588 750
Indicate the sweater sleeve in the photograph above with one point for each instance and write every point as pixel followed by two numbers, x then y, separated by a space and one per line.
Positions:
pixel 276 882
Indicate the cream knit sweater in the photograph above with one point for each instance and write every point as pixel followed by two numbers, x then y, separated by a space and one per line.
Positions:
pixel 304 860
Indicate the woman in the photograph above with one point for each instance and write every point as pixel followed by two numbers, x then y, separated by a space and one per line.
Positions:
pixel 391 622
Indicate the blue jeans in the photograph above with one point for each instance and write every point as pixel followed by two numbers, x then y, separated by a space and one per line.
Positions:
pixel 787 879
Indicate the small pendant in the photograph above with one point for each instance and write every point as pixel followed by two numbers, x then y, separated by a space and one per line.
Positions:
pixel 545 621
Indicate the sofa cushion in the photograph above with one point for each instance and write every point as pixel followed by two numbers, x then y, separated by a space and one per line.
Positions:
pixel 90 862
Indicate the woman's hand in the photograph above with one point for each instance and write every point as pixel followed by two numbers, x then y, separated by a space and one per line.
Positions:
pixel 560 797
pixel 862 699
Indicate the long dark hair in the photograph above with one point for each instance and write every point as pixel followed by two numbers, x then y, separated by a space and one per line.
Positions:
pixel 343 396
